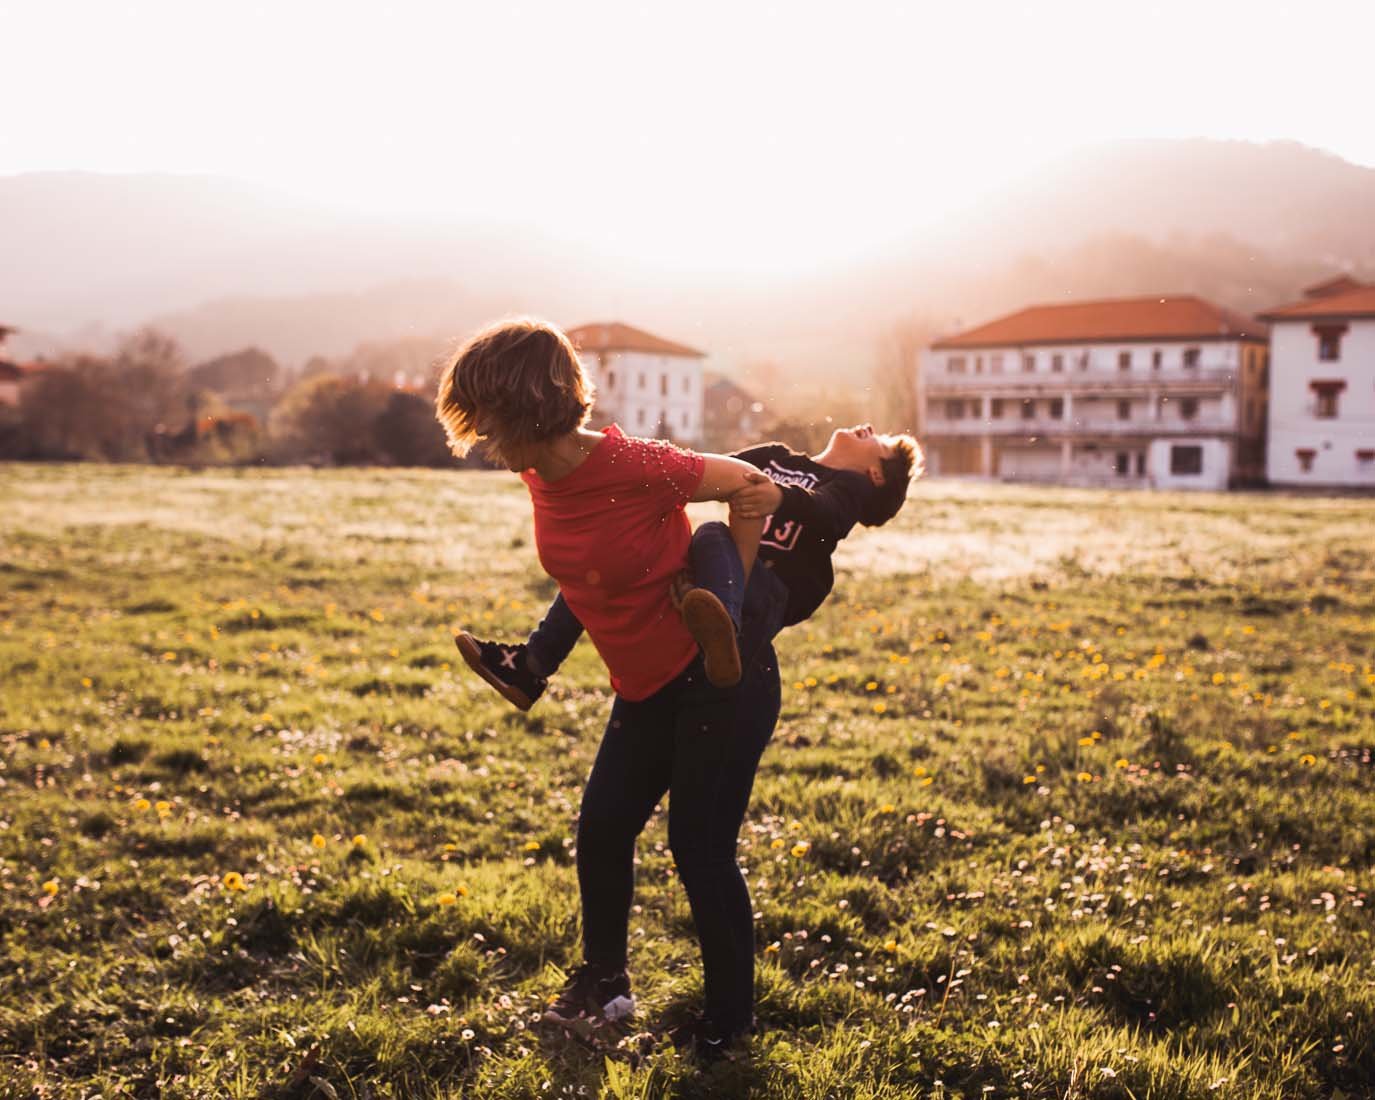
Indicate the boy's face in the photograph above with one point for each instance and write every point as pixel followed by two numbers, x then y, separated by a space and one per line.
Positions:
pixel 860 450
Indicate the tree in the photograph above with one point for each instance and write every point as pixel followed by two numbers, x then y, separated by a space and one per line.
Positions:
pixel 409 434
pixel 896 380
pixel 331 419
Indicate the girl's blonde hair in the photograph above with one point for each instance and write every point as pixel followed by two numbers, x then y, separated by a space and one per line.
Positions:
pixel 515 382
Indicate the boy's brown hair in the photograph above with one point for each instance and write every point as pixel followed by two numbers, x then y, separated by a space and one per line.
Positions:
pixel 905 464
pixel 513 383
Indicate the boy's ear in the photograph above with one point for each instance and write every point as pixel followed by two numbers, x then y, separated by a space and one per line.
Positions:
pixel 875 472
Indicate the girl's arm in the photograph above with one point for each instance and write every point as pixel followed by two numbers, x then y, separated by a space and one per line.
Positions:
pixel 722 477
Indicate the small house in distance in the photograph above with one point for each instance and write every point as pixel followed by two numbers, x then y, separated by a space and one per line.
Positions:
pixel 734 417
pixel 1322 389
pixel 1152 392
pixel 648 385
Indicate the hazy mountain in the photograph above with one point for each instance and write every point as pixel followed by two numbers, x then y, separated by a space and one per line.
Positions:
pixel 222 265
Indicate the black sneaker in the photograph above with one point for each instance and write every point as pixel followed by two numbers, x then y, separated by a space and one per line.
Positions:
pixel 592 997
pixel 703 1041
pixel 502 666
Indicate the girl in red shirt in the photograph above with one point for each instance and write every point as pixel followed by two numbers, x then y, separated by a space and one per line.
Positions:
pixel 611 529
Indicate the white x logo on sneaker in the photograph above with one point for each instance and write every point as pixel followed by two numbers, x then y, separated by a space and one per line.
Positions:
pixel 508 658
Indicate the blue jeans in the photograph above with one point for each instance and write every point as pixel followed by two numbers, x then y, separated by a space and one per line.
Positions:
pixel 715 565
pixel 700 744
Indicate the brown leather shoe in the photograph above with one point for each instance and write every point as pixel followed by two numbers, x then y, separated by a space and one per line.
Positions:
pixel 710 625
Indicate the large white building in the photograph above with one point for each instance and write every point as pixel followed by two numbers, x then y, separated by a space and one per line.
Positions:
pixel 1322 387
pixel 648 385
pixel 1147 392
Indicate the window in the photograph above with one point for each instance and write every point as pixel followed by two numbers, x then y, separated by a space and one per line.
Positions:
pixel 995 408
pixel 1305 455
pixel 1140 463
pixel 687 383
pixel 1329 342
pixel 640 414
pixel 1188 408
pixel 978 364
pixel 1123 464
pixel 1057 408
pixel 1157 359
pixel 1124 360
pixel 954 365
pixel 1084 360
pixel 1028 363
pixel 611 379
pixel 1186 461
pixel 684 419
pixel 642 379
pixel 995 364
pixel 1325 397
pixel 1191 357
pixel 1028 409
pixel 954 410
pixel 663 385
pixel 1365 459
pixel 1124 409
pixel 1057 363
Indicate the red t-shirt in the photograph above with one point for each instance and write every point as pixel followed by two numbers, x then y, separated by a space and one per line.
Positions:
pixel 613 533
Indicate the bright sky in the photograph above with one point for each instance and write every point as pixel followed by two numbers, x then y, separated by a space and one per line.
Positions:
pixel 764 131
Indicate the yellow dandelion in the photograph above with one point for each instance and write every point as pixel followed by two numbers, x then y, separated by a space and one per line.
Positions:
pixel 778 842
pixel 86 681
pixel 891 947
pixel 461 891
pixel 801 848
pixel 319 758
pixel 1028 779
pixel 1085 777
pixel 1086 740
pixel 359 840
pixel 169 656
pixel 1219 678
pixel 376 615
pixel 887 808
pixel 318 841
pixel 451 847
pixel 233 881
pixel 164 808
pixel 880 707
pixel 918 771
pixel 772 949
pixel 142 806
pixel 1122 762
pixel 532 845
pixel 872 685
pixel 446 899
pixel 50 887
pixel 1308 760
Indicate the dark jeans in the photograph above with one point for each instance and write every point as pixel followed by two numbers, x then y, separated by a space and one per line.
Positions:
pixel 701 745
pixel 715 565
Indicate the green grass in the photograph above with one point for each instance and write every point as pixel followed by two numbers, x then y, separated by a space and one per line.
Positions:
pixel 1072 796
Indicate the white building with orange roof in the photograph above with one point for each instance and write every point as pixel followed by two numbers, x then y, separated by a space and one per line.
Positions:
pixel 648 385
pixel 1322 390
pixel 1165 393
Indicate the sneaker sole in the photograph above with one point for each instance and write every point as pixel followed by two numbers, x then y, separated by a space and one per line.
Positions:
pixel 615 1011
pixel 472 655
pixel 710 625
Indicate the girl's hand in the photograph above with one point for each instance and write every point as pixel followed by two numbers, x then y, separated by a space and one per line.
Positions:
pixel 760 498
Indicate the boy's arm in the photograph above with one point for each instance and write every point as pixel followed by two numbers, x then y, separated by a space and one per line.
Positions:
pixel 833 508
pixel 722 478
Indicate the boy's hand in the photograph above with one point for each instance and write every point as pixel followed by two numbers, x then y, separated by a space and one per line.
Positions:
pixel 760 498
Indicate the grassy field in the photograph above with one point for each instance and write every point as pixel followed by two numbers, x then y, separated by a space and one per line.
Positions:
pixel 1072 796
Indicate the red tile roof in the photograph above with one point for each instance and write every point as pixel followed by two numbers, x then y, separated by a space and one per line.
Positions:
pixel 1123 320
pixel 1338 284
pixel 1351 303
pixel 615 336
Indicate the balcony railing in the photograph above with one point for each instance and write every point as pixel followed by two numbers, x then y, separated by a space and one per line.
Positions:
pixel 1073 429
pixel 1091 381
